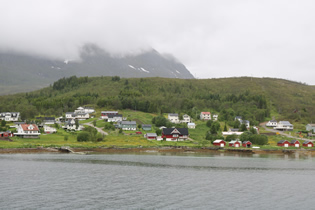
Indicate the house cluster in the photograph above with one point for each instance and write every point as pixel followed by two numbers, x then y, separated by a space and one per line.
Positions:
pixel 81 113
pixel 246 122
pixel 111 116
pixel 234 143
pixel 281 125
pixel 294 143
pixel 10 116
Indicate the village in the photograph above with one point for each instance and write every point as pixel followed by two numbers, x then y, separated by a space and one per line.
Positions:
pixel 177 129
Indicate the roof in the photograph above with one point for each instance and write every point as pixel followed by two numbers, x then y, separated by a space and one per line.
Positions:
pixel 146 125
pixel 235 141
pixel 285 123
pixel 128 123
pixel 109 112
pixel 312 125
pixel 273 121
pixel 247 142
pixel 114 116
pixel 173 114
pixel 218 141
pixel 182 131
pixel 307 142
pixel 26 127
pixel 191 124
pixel 205 113
pixel 45 118
pixel 151 135
pixel 282 141
pixel 294 141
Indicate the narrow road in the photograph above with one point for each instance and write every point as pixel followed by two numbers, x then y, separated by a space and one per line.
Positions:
pixel 282 133
pixel 98 129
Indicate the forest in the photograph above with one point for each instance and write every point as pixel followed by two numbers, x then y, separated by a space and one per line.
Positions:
pixel 255 99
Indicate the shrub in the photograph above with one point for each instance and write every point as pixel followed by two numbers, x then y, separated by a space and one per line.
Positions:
pixel 83 136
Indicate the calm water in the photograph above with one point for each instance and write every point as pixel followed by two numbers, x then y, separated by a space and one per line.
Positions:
pixel 155 181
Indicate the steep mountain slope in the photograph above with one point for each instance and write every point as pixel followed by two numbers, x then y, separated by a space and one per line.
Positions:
pixel 22 73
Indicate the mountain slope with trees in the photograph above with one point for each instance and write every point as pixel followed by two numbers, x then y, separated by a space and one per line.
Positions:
pixel 255 99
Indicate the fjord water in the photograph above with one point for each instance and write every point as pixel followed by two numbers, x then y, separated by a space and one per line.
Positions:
pixel 156 181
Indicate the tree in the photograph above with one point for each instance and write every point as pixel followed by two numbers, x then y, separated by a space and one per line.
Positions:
pixel 225 128
pixel 209 123
pixel 76 124
pixel 83 136
pixel 231 137
pixel 3 123
pixel 158 132
pixel 236 124
pixel 94 123
pixel 243 127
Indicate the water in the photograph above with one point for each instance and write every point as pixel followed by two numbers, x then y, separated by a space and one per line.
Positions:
pixel 155 181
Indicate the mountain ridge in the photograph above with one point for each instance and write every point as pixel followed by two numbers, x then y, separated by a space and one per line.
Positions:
pixel 22 73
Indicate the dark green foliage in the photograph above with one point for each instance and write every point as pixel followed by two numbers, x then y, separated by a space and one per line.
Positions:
pixel 109 126
pixel 215 127
pixel 209 123
pixel 160 121
pixel 213 137
pixel 115 78
pixel 158 132
pixel 83 136
pixel 3 123
pixel 231 137
pixel 243 127
pixel 254 138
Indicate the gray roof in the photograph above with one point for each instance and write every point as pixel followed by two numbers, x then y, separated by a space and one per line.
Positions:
pixel 151 135
pixel 146 125
pixel 173 114
pixel 285 122
pixel 282 141
pixel 128 123
pixel 293 141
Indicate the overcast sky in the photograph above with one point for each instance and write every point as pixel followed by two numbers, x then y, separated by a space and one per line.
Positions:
pixel 213 38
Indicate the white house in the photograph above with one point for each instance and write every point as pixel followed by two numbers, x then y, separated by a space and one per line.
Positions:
pixel 215 117
pixel 186 118
pixel 10 116
pixel 70 125
pixel 191 125
pixel 48 129
pixel 310 127
pixel 82 115
pixel 272 123
pixel 88 110
pixel 115 118
pixel 239 118
pixel 173 118
pixel 284 126
pixel 246 122
pixel 27 131
pixel 70 115
pixel 205 116
pixel 107 114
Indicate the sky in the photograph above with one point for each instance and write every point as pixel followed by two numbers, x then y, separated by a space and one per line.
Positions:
pixel 212 38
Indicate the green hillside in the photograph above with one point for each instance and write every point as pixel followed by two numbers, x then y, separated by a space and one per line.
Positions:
pixel 255 99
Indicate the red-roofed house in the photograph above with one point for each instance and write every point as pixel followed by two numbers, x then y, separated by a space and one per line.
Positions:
pixel 205 116
pixel 27 131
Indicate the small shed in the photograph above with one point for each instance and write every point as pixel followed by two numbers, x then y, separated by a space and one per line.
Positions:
pixel 191 125
pixel 283 143
pixel 151 136
pixel 308 144
pixel 235 143
pixel 6 134
pixel 219 143
pixel 295 143
pixel 247 144
pixel 146 127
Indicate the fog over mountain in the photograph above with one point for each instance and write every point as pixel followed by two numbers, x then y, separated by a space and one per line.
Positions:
pixel 20 72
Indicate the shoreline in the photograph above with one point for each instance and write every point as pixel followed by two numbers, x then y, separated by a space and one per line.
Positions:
pixel 174 150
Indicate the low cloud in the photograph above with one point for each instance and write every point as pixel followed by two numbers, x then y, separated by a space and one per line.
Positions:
pixel 212 38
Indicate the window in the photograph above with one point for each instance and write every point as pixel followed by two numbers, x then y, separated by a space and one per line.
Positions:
pixel 175 135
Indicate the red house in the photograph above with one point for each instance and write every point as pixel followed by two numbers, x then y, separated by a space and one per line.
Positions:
pixel 6 134
pixel 175 134
pixel 151 136
pixel 235 144
pixel 247 144
pixel 283 143
pixel 219 143
pixel 308 144
pixel 295 143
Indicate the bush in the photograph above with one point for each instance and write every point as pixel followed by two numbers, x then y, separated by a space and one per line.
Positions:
pixel 231 137
pixel 83 136
pixel 65 138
